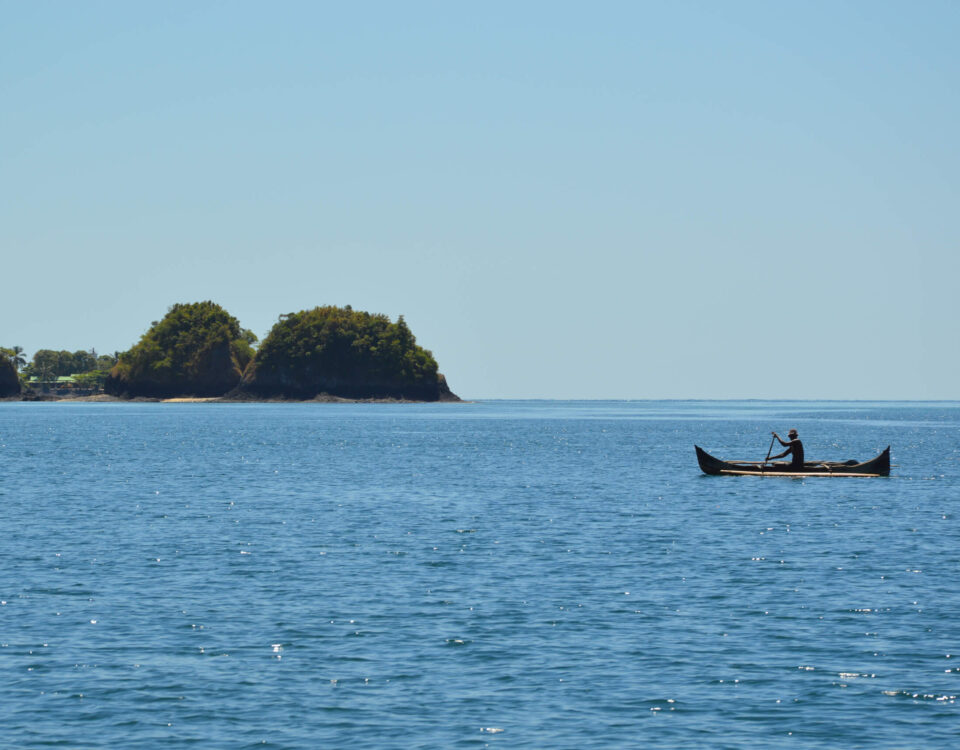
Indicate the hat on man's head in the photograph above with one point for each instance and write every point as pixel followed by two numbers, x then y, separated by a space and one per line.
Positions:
pixel 792 433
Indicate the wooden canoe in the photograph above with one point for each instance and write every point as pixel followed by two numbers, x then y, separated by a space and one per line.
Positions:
pixel 875 467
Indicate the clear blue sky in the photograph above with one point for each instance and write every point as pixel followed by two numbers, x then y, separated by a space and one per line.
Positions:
pixel 565 200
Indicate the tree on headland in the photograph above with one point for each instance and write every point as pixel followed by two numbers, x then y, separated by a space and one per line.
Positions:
pixel 46 364
pixel 249 336
pixel 92 379
pixel 15 355
pixel 105 361
pixel 79 361
pixel 197 349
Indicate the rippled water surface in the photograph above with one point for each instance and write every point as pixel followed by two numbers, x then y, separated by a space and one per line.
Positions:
pixel 521 574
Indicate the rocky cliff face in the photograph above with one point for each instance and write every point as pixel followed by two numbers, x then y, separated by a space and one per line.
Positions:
pixel 307 383
pixel 9 382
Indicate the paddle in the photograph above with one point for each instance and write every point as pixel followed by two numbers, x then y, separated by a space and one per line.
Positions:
pixel 770 449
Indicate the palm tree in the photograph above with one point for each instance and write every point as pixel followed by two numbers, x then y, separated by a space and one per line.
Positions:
pixel 16 358
pixel 13 355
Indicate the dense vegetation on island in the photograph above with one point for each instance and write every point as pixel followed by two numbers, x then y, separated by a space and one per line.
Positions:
pixel 86 368
pixel 343 352
pixel 82 369
pixel 198 349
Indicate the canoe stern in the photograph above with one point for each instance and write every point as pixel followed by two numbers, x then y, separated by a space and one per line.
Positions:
pixel 708 464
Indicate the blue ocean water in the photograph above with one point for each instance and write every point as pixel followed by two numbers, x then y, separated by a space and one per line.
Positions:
pixel 513 574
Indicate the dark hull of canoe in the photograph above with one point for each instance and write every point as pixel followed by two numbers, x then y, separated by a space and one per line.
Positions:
pixel 876 467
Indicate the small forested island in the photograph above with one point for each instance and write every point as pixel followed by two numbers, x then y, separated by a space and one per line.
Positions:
pixel 343 352
pixel 199 350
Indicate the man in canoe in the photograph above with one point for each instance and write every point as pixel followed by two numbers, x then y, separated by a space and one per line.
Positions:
pixel 794 448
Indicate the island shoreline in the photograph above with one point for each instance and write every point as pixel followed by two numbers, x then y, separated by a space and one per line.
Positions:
pixel 323 398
